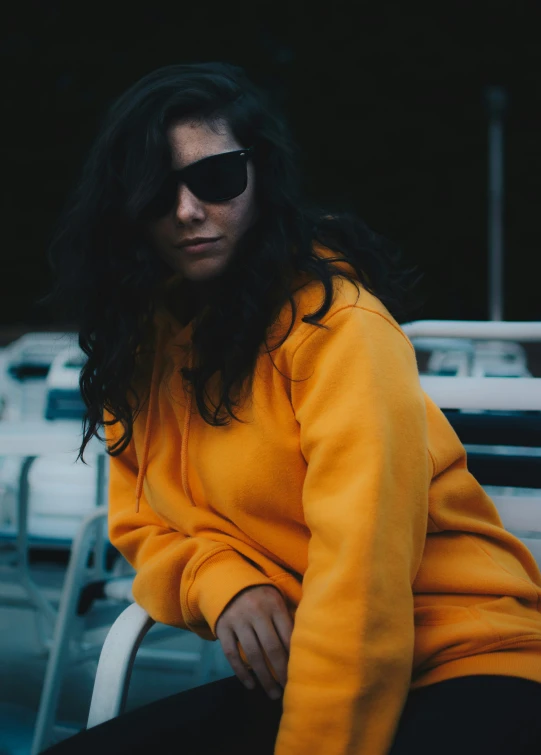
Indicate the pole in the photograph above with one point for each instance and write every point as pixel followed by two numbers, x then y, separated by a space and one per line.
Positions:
pixel 496 100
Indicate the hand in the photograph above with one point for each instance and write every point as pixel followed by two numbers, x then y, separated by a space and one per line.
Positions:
pixel 259 620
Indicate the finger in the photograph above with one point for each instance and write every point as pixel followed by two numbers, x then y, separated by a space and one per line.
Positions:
pixel 254 654
pixel 284 629
pixel 284 626
pixel 274 648
pixel 230 649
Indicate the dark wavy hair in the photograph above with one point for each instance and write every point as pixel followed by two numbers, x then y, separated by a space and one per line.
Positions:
pixel 107 280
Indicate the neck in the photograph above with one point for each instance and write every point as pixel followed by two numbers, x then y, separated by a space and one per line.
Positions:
pixel 187 299
pixel 201 293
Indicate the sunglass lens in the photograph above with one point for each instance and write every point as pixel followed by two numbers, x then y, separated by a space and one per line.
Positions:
pixel 218 178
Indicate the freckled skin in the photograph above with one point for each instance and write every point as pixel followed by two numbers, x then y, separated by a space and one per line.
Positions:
pixel 191 141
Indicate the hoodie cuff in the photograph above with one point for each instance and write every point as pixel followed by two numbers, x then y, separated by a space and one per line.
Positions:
pixel 218 580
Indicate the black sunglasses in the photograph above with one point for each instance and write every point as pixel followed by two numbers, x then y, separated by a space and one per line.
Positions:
pixel 216 178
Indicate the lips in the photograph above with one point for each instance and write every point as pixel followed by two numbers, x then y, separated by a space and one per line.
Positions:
pixel 199 248
pixel 196 242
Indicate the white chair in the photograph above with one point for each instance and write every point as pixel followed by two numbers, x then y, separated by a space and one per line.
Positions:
pixel 474 348
pixel 452 356
pixel 86 600
pixel 482 330
pixel 44 496
pixel 496 417
pixel 500 359
pixel 38 438
pixel 117 659
pixel 26 363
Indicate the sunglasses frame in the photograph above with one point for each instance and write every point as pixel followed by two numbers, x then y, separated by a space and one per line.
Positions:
pixel 179 174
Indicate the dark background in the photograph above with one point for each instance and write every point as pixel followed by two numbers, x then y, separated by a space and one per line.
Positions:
pixel 385 101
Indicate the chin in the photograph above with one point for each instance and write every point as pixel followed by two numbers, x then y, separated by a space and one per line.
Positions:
pixel 204 269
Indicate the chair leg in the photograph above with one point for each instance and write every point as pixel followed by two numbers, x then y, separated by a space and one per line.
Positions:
pixel 45 613
pixel 43 632
pixel 67 619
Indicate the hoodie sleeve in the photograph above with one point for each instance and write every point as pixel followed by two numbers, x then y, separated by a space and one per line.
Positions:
pixel 181 581
pixel 365 497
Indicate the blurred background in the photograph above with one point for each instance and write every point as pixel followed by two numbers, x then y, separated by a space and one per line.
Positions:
pixel 389 103
pixel 386 100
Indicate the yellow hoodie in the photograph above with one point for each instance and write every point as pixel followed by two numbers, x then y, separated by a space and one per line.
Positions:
pixel 348 490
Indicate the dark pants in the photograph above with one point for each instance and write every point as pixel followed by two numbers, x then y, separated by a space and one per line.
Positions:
pixel 473 715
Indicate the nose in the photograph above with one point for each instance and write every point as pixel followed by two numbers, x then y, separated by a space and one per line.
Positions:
pixel 188 207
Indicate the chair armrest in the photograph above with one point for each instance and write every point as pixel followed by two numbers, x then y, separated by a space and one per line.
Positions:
pixel 475 329
pixel 486 393
pixel 116 664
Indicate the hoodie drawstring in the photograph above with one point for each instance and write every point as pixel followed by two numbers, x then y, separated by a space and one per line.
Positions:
pixel 153 397
pixel 146 444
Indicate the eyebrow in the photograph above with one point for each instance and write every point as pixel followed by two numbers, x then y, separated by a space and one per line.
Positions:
pixel 176 169
pixel 214 154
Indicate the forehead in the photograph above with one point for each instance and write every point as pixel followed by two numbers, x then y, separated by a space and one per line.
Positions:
pixel 193 140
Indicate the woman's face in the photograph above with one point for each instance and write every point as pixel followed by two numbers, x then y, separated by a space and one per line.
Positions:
pixel 193 218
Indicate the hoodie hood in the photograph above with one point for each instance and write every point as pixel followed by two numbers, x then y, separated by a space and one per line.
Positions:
pixel 165 324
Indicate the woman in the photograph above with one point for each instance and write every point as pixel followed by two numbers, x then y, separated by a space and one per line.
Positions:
pixel 278 479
